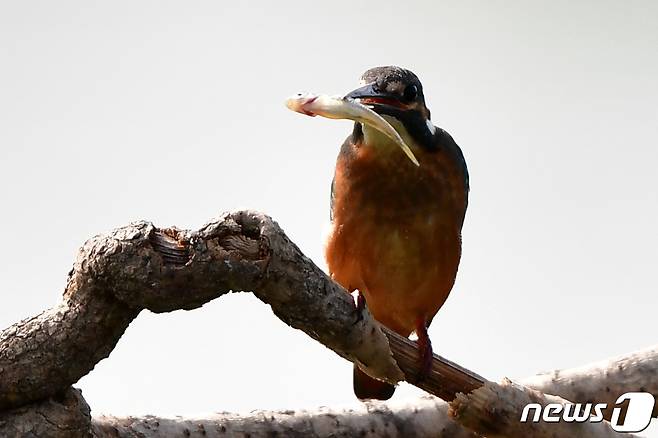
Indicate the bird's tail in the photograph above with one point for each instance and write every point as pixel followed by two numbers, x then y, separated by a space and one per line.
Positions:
pixel 365 387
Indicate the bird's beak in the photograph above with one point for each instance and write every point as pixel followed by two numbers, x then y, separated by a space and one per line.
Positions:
pixel 370 95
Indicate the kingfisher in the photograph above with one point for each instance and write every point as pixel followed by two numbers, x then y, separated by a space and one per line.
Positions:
pixel 395 233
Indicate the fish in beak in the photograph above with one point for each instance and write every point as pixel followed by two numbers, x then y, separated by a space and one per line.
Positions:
pixel 348 108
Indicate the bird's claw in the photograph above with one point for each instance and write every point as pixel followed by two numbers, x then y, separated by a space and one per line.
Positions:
pixel 360 306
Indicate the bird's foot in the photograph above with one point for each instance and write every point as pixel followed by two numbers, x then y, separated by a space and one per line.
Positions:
pixel 425 352
pixel 360 302
pixel 360 306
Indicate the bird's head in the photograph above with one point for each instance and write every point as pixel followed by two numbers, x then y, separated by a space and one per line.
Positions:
pixel 396 94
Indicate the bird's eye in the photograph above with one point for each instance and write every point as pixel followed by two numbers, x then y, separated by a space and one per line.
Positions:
pixel 410 93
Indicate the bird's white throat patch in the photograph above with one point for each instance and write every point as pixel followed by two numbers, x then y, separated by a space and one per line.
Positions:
pixel 431 126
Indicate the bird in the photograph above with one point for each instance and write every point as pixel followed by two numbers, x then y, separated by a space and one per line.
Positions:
pixel 395 234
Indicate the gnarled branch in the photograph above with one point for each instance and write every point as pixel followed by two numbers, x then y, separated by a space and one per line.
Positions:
pixel 138 267
pixel 115 276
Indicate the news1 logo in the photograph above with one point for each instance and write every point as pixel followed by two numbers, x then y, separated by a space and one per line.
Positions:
pixel 632 412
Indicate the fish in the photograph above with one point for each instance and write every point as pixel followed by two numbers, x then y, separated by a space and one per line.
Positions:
pixel 335 107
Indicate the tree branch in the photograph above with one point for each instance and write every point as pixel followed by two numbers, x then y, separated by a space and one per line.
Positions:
pixel 64 415
pixel 138 267
pixel 604 381
pixel 494 409
pixel 115 276
pixel 426 417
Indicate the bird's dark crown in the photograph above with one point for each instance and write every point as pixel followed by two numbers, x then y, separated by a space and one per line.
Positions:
pixel 397 92
pixel 396 81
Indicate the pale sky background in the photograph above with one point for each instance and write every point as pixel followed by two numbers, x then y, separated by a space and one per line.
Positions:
pixel 173 112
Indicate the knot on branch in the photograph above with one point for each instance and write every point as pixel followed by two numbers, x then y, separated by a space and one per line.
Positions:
pixel 169 269
pixel 139 266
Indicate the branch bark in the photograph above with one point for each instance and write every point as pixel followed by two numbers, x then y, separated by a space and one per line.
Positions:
pixel 115 276
pixel 426 417
pixel 139 266
pixel 64 415
pixel 604 381
pixel 493 409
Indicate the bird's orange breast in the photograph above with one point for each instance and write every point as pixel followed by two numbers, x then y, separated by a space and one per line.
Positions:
pixel 396 231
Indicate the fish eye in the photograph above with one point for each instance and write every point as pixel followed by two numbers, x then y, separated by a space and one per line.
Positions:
pixel 410 93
